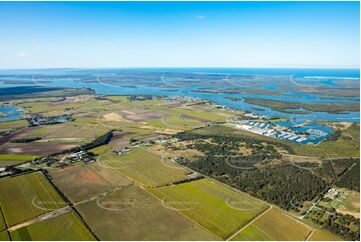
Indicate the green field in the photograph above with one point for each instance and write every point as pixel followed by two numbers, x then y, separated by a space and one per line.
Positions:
pixel 26 196
pixel 251 233
pixel 4 236
pixel 100 149
pixel 279 226
pixel 2 222
pixel 69 132
pixel 174 122
pixel 209 116
pixel 133 214
pixel 143 167
pixel 211 204
pixel 17 124
pixel 12 159
pixel 65 227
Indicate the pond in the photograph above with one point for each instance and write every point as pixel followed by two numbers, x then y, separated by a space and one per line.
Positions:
pixel 11 113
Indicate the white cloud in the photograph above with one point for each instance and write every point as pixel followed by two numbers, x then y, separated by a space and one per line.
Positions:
pixel 200 17
pixel 22 54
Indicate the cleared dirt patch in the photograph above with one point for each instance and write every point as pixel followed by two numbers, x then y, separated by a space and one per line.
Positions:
pixel 351 205
pixel 177 153
pixel 115 117
pixel 33 148
pixel 141 117
pixel 120 140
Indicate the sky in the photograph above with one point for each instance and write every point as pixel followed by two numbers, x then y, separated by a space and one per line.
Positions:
pixel 176 34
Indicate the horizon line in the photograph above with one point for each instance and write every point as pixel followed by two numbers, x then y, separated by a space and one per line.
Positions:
pixel 186 67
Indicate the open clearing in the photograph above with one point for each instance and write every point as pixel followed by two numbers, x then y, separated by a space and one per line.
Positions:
pixel 65 227
pixel 209 115
pixel 175 122
pixel 84 181
pixel 351 205
pixel 26 196
pixel 211 204
pixel 114 117
pixel 133 214
pixel 144 167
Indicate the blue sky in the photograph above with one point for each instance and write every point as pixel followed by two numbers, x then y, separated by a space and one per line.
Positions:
pixel 173 34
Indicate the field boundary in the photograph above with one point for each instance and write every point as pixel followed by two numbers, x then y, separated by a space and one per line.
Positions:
pixel 160 200
pixel 69 203
pixel 68 208
pixel 41 218
pixel 310 235
pixel 5 222
pixel 249 223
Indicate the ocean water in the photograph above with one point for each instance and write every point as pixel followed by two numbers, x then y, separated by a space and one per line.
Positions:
pixel 71 77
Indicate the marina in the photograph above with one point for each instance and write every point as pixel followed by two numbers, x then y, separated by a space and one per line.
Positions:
pixel 302 136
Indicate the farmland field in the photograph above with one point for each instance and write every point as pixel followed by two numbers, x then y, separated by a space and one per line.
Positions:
pixel 33 148
pixel 320 235
pixel 83 181
pixel 67 132
pixel 209 116
pixel 12 159
pixel 100 149
pixel 211 204
pixel 4 236
pixel 64 227
pixel 133 214
pixel 26 196
pixel 2 221
pixel 143 167
pixel 17 124
pixel 175 122
pixel 251 233
pixel 287 228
